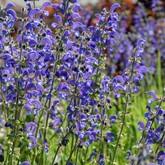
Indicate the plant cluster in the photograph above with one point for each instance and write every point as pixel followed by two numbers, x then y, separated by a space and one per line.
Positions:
pixel 59 104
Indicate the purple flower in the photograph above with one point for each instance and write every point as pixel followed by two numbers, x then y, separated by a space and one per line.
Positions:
pixel 12 14
pixel 101 160
pixel 78 26
pixel 75 16
pixel 45 146
pixel 69 163
pixel 10 5
pixel 148 114
pixel 34 105
pixel 109 137
pixel 47 42
pixel 1 150
pixel 63 86
pixel 143 69
pixel 141 42
pixel 45 5
pixel 58 21
pixel 114 7
pixel 139 48
pixel 112 119
pixel 57 122
pixel 33 12
pixel 33 142
pixel 118 79
pixel 153 96
pixel 161 157
pixel 8 125
pixel 129 154
pixel 76 8
pixel 91 155
pixel 30 87
pixel 31 128
pixel 33 56
pixel 73 1
pixel 141 126
pixel 25 163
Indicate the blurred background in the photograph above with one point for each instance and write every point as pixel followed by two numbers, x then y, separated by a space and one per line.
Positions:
pixel 40 2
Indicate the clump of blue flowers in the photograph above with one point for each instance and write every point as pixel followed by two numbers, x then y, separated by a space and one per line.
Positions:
pixel 56 94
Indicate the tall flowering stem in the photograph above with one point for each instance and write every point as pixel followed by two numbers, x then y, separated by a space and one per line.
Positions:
pixel 130 75
pixel 152 133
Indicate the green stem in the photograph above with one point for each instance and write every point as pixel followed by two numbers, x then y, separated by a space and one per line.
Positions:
pixel 55 154
pixel 3 103
pixel 15 125
pixel 12 152
pixel 101 144
pixel 77 152
pixel 125 109
pixel 59 146
pixel 40 116
pixel 121 130
pixel 143 142
pixel 59 127
pixel 34 5
pixel 86 154
pixel 6 160
pixel 72 151
pixel 159 71
pixel 159 144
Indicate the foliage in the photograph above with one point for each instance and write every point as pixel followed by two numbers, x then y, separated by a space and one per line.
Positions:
pixel 63 102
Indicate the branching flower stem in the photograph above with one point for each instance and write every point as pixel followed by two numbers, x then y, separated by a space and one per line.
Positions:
pixel 125 110
pixel 17 111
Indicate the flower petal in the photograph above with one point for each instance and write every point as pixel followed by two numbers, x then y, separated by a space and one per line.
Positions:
pixel 45 5
pixel 12 13
pixel 10 5
pixel 25 163
pixel 33 12
pixel 113 7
